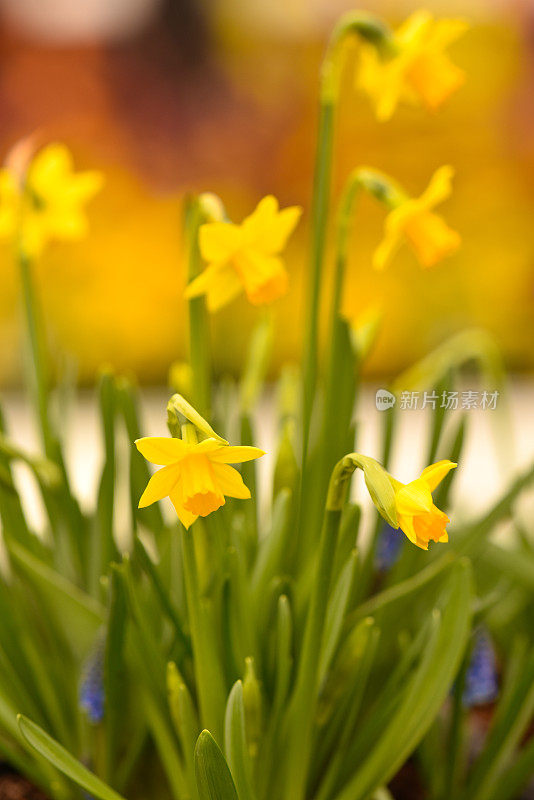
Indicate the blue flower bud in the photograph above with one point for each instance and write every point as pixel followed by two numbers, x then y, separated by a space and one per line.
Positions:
pixel 481 684
pixel 91 696
pixel 388 548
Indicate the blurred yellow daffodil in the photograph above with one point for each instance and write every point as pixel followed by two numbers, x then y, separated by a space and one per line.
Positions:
pixel 245 257
pixel 196 476
pixel 46 202
pixel 418 70
pixel 414 221
pixel 417 515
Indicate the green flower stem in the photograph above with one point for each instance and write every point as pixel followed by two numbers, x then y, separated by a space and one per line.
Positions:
pixel 41 391
pixel 38 354
pixel 386 191
pixel 303 706
pixel 321 192
pixel 199 339
pixel 363 26
pixel 335 425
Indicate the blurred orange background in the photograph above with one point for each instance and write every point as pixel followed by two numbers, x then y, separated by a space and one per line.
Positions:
pixel 178 96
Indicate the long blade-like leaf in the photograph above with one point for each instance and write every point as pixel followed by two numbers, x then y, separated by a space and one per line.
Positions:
pixel 64 761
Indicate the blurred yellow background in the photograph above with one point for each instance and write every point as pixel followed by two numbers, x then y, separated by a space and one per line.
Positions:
pixel 178 96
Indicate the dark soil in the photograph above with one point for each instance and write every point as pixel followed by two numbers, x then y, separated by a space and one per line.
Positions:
pixel 14 787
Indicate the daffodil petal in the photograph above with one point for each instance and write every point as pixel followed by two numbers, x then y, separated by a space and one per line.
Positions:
pixel 413 498
pixel 201 283
pixel 51 164
pixel 162 449
pixel 414 27
pixel 267 229
pixel 160 485
pixel 236 455
pixel 208 446
pixel 230 482
pixel 218 241
pixel 66 223
pixel 446 31
pixel 439 188
pixel 406 525
pixel 434 474
pixel 185 516
pixel 387 248
pixel 223 289
pixel 219 283
pixel 84 185
pixel 421 543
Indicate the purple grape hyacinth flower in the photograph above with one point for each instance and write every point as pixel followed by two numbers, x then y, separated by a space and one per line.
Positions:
pixel 481 684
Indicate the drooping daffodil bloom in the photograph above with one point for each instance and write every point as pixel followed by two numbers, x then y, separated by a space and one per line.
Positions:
pixel 416 69
pixel 196 476
pixel 414 221
pixel 45 201
pixel 245 257
pixel 417 516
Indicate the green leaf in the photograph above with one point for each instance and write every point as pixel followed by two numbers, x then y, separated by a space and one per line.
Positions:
pixel 73 609
pixel 105 549
pixel 424 692
pixel 235 742
pixel 517 776
pixel 151 516
pixel 64 761
pixel 214 780
pixel 510 722
pixel 114 668
pixel 335 617
pixel 185 719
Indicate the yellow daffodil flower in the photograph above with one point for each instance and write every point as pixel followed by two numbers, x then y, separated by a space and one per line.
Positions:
pixel 47 202
pixel 245 256
pixel 414 221
pixel 196 476
pixel 418 71
pixel 417 515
